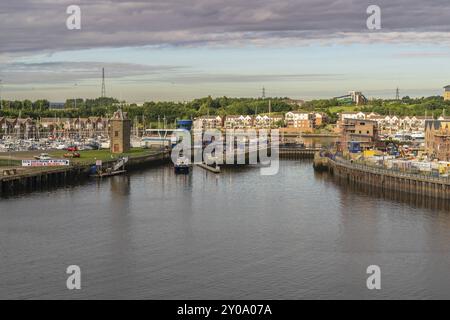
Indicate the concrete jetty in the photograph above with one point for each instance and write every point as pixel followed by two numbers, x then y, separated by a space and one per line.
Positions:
pixel 209 168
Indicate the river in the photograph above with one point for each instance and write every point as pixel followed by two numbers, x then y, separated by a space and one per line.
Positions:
pixel 236 235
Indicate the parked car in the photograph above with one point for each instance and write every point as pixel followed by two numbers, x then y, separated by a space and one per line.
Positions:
pixel 43 156
pixel 72 155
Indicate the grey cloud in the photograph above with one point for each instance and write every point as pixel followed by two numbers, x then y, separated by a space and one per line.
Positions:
pixel 73 72
pixel 32 25
pixel 250 78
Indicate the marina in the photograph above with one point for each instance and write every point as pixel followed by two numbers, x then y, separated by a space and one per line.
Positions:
pixel 224 155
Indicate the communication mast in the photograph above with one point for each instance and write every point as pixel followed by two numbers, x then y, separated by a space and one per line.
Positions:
pixel 1 106
pixel 397 94
pixel 103 83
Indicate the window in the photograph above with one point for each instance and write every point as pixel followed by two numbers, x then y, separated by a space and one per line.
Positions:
pixel 116 134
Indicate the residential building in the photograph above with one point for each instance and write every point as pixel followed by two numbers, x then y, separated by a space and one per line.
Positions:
pixel 19 127
pixel 262 121
pixel 302 120
pixel 320 118
pixel 238 122
pixel 447 93
pixel 208 122
pixel 364 132
pixel 6 126
pixel 437 139
pixel 387 122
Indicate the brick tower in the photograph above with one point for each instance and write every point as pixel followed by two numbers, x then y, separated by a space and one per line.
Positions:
pixel 120 132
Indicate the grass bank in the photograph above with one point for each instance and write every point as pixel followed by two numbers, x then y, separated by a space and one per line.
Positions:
pixel 91 156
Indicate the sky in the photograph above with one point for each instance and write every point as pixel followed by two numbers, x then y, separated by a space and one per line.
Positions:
pixel 183 49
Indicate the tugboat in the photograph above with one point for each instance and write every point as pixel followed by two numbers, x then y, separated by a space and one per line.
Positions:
pixel 182 165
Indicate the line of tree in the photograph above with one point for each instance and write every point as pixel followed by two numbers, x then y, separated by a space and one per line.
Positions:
pixel 152 111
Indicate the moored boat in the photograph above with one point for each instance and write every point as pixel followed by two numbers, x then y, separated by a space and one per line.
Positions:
pixel 182 166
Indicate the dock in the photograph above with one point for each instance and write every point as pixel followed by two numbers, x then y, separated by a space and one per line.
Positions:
pixel 209 168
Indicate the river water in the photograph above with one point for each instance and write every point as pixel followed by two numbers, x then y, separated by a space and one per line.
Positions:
pixel 237 235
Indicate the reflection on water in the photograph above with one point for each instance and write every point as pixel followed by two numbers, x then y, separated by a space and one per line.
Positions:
pixel 157 235
pixel 416 200
pixel 311 142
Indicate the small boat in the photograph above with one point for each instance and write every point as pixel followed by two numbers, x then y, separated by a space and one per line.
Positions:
pixel 182 165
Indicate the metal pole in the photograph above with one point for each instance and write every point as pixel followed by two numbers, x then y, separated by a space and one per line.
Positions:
pixel 1 105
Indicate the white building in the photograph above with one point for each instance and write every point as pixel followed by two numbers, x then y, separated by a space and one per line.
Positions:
pixel 208 122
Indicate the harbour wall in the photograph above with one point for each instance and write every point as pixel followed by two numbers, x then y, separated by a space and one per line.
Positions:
pixel 384 179
pixel 297 153
pixel 45 178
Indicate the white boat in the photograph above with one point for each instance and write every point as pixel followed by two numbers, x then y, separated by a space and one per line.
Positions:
pixel 105 145
pixel 418 136
pixel 182 165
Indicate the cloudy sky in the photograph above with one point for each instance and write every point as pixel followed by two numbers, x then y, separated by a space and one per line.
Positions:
pixel 181 49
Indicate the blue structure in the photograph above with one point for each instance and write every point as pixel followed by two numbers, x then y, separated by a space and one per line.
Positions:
pixel 354 147
pixel 184 124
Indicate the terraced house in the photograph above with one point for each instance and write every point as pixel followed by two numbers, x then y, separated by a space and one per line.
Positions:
pixel 67 126
pixel 22 128
pixel 208 122
pixel 238 122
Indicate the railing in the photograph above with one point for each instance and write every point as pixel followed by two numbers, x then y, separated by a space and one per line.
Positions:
pixel 390 172
pixel 290 149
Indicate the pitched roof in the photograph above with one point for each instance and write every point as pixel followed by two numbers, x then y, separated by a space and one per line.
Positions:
pixel 208 117
pixel 298 112
pixel 120 115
